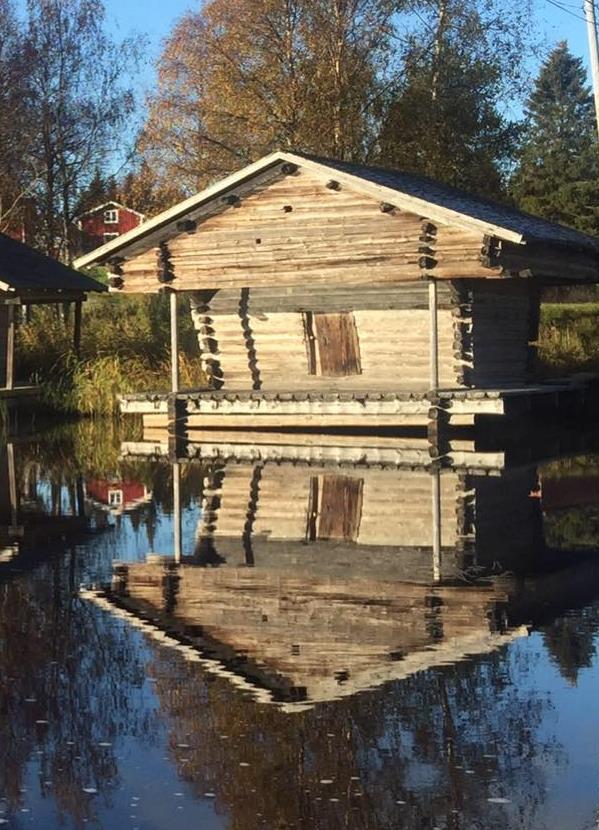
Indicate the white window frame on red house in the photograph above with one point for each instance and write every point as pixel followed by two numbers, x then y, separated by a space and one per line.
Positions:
pixel 115 498
pixel 108 237
pixel 111 216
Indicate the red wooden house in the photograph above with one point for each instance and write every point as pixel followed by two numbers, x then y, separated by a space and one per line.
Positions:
pixel 105 222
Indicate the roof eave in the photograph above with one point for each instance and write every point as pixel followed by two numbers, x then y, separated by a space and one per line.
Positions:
pixel 381 192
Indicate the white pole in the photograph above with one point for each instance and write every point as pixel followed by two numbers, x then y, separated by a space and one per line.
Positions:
pixel 434 335
pixel 436 525
pixel 174 344
pixel 177 518
pixel 589 11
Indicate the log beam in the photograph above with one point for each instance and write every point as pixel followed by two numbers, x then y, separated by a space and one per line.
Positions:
pixel 434 336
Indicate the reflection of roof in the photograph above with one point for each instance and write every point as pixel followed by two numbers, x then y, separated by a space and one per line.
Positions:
pixel 22 267
pixel 267 685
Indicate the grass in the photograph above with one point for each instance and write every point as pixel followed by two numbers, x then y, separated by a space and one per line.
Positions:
pixel 124 349
pixel 569 338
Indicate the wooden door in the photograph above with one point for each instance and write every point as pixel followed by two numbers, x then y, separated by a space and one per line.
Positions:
pixel 335 348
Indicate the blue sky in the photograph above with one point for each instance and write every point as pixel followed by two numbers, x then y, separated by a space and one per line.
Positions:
pixel 156 19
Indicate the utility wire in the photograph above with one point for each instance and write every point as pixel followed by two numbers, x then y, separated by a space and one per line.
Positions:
pixel 564 9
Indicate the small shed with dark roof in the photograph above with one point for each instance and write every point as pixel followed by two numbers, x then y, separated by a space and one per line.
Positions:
pixel 333 294
pixel 28 277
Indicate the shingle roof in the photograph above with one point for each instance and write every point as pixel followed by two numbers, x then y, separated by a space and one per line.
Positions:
pixel 494 213
pixel 24 268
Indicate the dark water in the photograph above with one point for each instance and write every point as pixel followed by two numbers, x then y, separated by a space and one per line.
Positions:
pixel 313 659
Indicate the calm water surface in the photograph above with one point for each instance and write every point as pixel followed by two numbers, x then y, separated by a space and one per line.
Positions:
pixel 311 659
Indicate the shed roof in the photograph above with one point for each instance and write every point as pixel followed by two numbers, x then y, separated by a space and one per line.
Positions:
pixel 431 199
pixel 22 268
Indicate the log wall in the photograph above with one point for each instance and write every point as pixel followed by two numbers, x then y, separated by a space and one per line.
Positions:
pixel 261 342
pixel 299 232
pixel 497 321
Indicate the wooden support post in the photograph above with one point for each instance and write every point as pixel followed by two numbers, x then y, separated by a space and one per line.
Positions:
pixel 174 344
pixel 177 519
pixel 436 523
pixel 12 484
pixel 77 328
pixel 433 336
pixel 10 348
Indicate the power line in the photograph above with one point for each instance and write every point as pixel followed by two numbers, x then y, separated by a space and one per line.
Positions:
pixel 566 10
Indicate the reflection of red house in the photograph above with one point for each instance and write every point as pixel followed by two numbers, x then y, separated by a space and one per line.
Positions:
pixel 105 222
pixel 118 496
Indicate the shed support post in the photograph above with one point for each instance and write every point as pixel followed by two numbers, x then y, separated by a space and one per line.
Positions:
pixel 174 344
pixel 436 499
pixel 10 348
pixel 177 519
pixel 433 336
pixel 77 328
pixel 12 484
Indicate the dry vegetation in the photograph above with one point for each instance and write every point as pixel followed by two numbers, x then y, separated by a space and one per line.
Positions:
pixel 124 349
pixel 569 338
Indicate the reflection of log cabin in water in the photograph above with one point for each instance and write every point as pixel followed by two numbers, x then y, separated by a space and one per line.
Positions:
pixel 418 523
pixel 318 582
pixel 332 294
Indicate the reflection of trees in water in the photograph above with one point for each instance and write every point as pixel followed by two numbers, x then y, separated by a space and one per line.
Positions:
pixel 64 663
pixel 442 741
pixel 571 641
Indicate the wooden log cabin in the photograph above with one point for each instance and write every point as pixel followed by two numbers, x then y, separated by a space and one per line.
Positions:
pixel 304 584
pixel 28 278
pixel 330 294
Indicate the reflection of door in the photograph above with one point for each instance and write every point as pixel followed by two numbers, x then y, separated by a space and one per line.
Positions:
pixel 336 507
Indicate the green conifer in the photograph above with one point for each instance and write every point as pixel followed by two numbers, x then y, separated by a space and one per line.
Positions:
pixel 558 172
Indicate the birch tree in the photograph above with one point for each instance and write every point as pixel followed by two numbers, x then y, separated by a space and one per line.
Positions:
pixel 81 106
pixel 17 171
pixel 238 79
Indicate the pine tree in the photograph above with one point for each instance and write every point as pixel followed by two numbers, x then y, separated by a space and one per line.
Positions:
pixel 558 172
